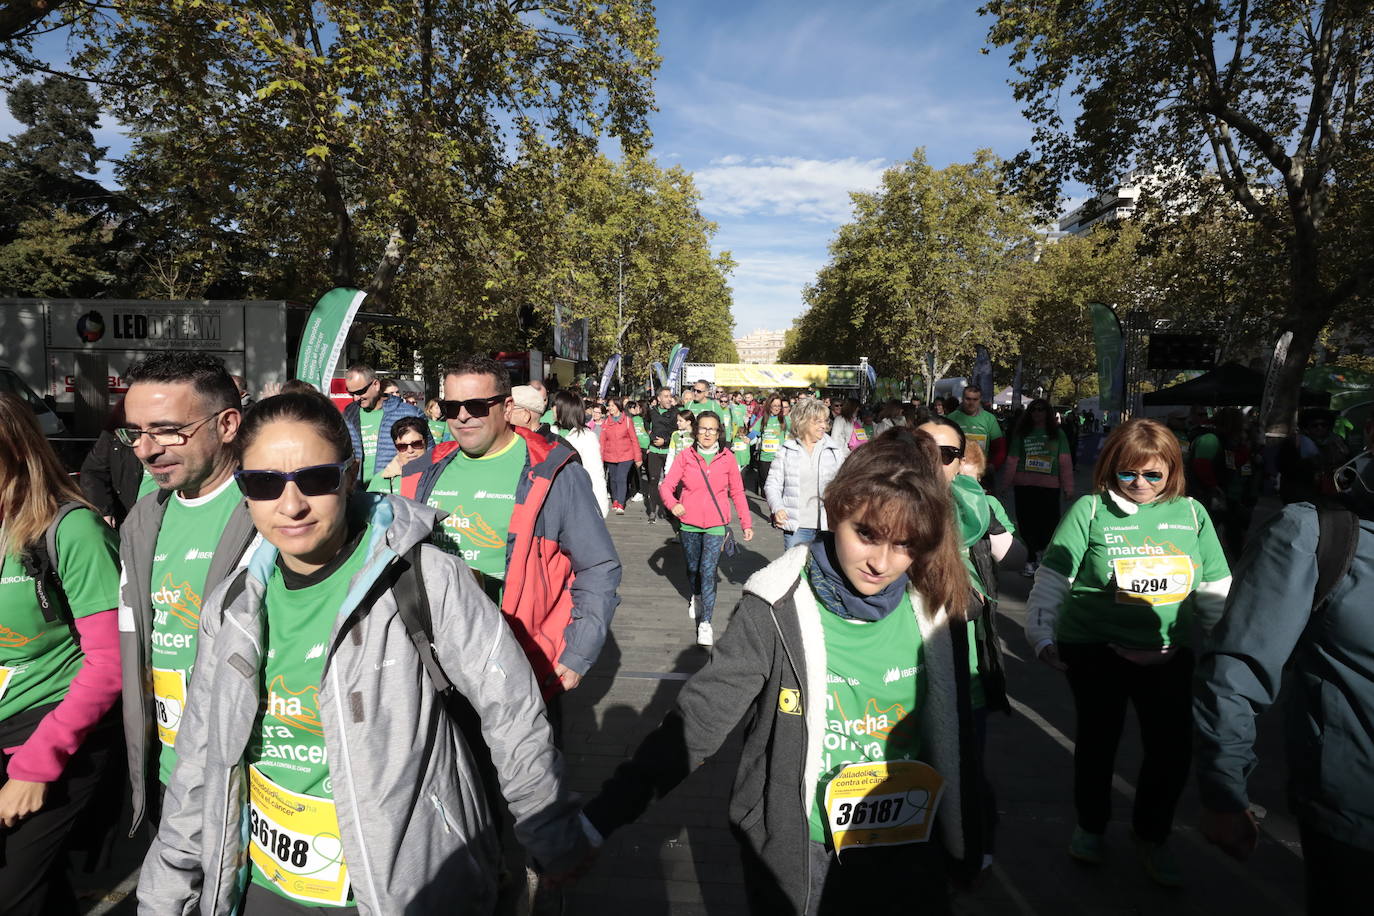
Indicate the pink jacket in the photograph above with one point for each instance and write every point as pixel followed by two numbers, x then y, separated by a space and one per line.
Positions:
pixel 618 440
pixel 723 472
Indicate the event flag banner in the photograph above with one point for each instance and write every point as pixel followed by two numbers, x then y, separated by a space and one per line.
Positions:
pixel 676 361
pixel 325 333
pixel 982 372
pixel 606 375
pixel 1111 358
pixel 659 377
pixel 750 375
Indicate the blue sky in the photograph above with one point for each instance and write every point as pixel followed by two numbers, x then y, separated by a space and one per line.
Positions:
pixel 782 108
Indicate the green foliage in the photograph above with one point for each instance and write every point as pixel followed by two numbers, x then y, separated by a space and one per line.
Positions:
pixel 53 256
pixel 917 271
pixel 1274 100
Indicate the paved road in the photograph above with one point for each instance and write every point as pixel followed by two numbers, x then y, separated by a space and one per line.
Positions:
pixel 680 859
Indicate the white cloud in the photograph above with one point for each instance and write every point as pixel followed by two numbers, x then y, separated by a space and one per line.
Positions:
pixel 812 189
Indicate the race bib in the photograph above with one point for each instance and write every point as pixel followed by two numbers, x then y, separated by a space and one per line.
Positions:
pixel 6 675
pixel 882 804
pixel 770 443
pixel 860 434
pixel 169 702
pixel 980 438
pixel 1153 580
pixel 295 842
pixel 1230 461
pixel 1246 470
pixel 1039 465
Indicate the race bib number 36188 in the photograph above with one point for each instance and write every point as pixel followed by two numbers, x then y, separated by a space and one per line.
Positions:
pixel 296 843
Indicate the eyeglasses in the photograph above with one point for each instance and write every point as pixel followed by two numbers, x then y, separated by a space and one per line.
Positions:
pixel 950 453
pixel 1130 476
pixel 361 391
pixel 703 430
pixel 477 408
pixel 316 480
pixel 410 445
pixel 174 435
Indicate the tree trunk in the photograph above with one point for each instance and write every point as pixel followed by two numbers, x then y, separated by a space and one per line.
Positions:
pixel 342 252
pixel 397 248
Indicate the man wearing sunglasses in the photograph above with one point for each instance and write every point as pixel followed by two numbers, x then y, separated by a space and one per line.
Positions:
pixel 522 515
pixel 370 419
pixel 181 415
pixel 701 399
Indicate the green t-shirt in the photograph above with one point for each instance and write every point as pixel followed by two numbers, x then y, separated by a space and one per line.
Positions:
pixel 982 428
pixel 438 430
pixel 299 841
pixel 1037 454
pixel 479 496
pixel 641 431
pixel 38 659
pixel 703 406
pixel 739 417
pixel 1133 574
pixel 770 438
pixel 682 439
pixel 874 683
pixel 146 485
pixel 1206 446
pixel 370 426
pixel 186 544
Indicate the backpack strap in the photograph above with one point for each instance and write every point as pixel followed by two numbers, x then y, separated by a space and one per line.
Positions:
pixel 412 603
pixel 40 562
pixel 1338 536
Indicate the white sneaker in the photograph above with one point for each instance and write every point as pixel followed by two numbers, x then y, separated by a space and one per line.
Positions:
pixel 692 608
pixel 1028 570
pixel 704 635
pixel 637 498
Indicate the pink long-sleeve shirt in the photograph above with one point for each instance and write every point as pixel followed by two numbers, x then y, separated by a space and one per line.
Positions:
pixel 726 482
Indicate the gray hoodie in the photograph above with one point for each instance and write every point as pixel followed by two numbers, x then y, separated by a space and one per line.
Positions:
pixel 417 833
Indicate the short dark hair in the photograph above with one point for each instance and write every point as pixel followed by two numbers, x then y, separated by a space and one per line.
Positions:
pixel 968 388
pixel 310 408
pixel 399 428
pixel 204 372
pixel 481 365
pixel 568 412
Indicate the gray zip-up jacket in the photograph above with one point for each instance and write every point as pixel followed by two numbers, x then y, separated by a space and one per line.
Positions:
pixel 137 544
pixel 783 487
pixel 417 834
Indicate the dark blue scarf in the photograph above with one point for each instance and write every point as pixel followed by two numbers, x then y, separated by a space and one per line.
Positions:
pixel 835 592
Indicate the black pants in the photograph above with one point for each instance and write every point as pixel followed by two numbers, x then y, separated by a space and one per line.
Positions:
pixel 653 474
pixel 1037 515
pixel 1102 683
pixel 33 861
pixel 761 470
pixel 1337 873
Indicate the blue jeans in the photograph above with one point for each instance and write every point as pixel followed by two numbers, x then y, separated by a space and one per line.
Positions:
pixel 620 475
pixel 800 536
pixel 703 555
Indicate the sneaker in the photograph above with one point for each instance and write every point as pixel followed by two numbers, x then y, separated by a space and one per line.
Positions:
pixel 637 498
pixel 1028 570
pixel 653 520
pixel 1086 847
pixel 704 635
pixel 617 508
pixel 1159 863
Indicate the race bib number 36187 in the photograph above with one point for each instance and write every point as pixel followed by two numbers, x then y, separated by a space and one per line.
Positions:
pixel 882 804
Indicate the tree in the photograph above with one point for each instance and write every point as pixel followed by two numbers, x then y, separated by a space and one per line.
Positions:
pixel 347 133
pixel 914 273
pixel 1273 97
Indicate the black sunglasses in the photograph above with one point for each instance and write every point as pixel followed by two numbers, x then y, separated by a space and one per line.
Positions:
pixel 317 480
pixel 950 453
pixel 361 391
pixel 410 444
pixel 476 407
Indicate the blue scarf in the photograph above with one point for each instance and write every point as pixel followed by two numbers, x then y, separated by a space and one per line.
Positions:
pixel 835 592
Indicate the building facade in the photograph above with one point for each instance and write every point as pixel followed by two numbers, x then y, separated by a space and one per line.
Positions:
pixel 759 347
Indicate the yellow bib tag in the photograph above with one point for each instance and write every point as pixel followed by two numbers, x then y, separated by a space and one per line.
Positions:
pixel 770 444
pixel 882 804
pixel 169 702
pixel 1039 465
pixel 6 675
pixel 1153 580
pixel 295 842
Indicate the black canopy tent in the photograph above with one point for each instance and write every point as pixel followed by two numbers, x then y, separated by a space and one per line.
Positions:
pixel 1228 385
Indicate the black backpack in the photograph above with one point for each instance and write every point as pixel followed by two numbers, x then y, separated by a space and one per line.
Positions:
pixel 1338 537
pixel 40 562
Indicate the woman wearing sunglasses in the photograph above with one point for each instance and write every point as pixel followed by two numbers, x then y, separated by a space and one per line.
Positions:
pixel 411 437
pixel 318 770
pixel 1128 571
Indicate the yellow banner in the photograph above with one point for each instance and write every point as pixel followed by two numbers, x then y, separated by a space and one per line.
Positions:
pixel 774 375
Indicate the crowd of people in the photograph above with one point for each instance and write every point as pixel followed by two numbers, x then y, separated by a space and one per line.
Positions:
pixel 326 652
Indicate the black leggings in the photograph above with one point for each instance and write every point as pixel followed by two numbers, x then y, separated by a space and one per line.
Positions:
pixel 1103 683
pixel 1037 515
pixel 33 861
